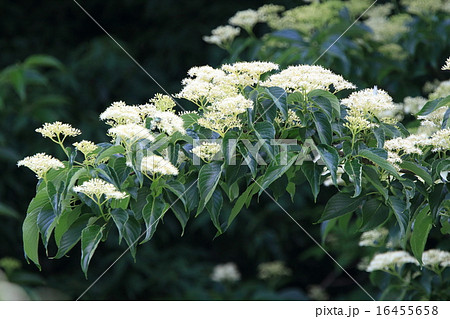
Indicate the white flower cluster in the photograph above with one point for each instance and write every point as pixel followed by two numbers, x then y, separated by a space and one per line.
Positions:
pixel 446 66
pixel 249 73
pixel 163 102
pixel 222 115
pixel 406 145
pixel 222 36
pixel 216 92
pixel 96 187
pixel 369 101
pixel 168 122
pixel 206 151
pixel 364 104
pixel 385 29
pixel 41 163
pixel 436 257
pixel 412 105
pixel 390 260
pixel 373 238
pixel 306 78
pixel 120 113
pixel 442 89
pixel 421 7
pixel 155 164
pixel 273 269
pixel 268 12
pixel 52 130
pixel 292 120
pixel 85 147
pixel 440 141
pixel 226 272
pixel 245 19
pixel 130 133
pixel 206 84
pixel 128 121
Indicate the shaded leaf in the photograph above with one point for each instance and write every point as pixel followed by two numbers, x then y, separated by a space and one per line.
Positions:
pixel 90 238
pixel 340 204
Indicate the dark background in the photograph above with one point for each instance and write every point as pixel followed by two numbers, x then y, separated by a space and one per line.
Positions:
pixel 165 37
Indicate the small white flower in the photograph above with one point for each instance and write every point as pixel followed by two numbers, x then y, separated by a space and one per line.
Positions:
pixel 85 147
pixel 52 130
pixel 206 151
pixel 390 259
pixel 168 122
pixel 120 113
pixel 434 257
pixel 273 269
pixel 225 272
pixel 305 78
pixel 446 66
pixel 245 19
pixel 222 35
pixel 131 133
pixel 373 238
pixel 41 163
pixel 96 187
pixel 155 164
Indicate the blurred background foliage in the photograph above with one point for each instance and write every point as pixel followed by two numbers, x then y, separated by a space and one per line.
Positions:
pixel 56 64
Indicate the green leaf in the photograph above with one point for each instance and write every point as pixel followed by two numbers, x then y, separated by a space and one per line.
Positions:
pixel 265 131
pixel 422 227
pixel 110 151
pixel 373 156
pixel 208 178
pixel 90 238
pixel 214 206
pixel 178 209
pixel 313 172
pixel 240 203
pixel 340 204
pixel 46 223
pixel 30 233
pixel 17 79
pixel 278 95
pixel 295 98
pixel 138 204
pixel 433 105
pixel 192 195
pixel 152 213
pixel 120 217
pixel 435 199
pixel 189 119
pixel 54 196
pixel 332 99
pixel 374 214
pixel 290 188
pixel 131 233
pixel 418 170
pixel 176 188
pixel 400 212
pixel 354 170
pixel 372 176
pixel 73 234
pixel 41 60
pixel 8 211
pixel 276 170
pixel 324 106
pixel 323 127
pixel 30 229
pixel 380 136
pixel 67 218
pixel 325 229
pixel 330 157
